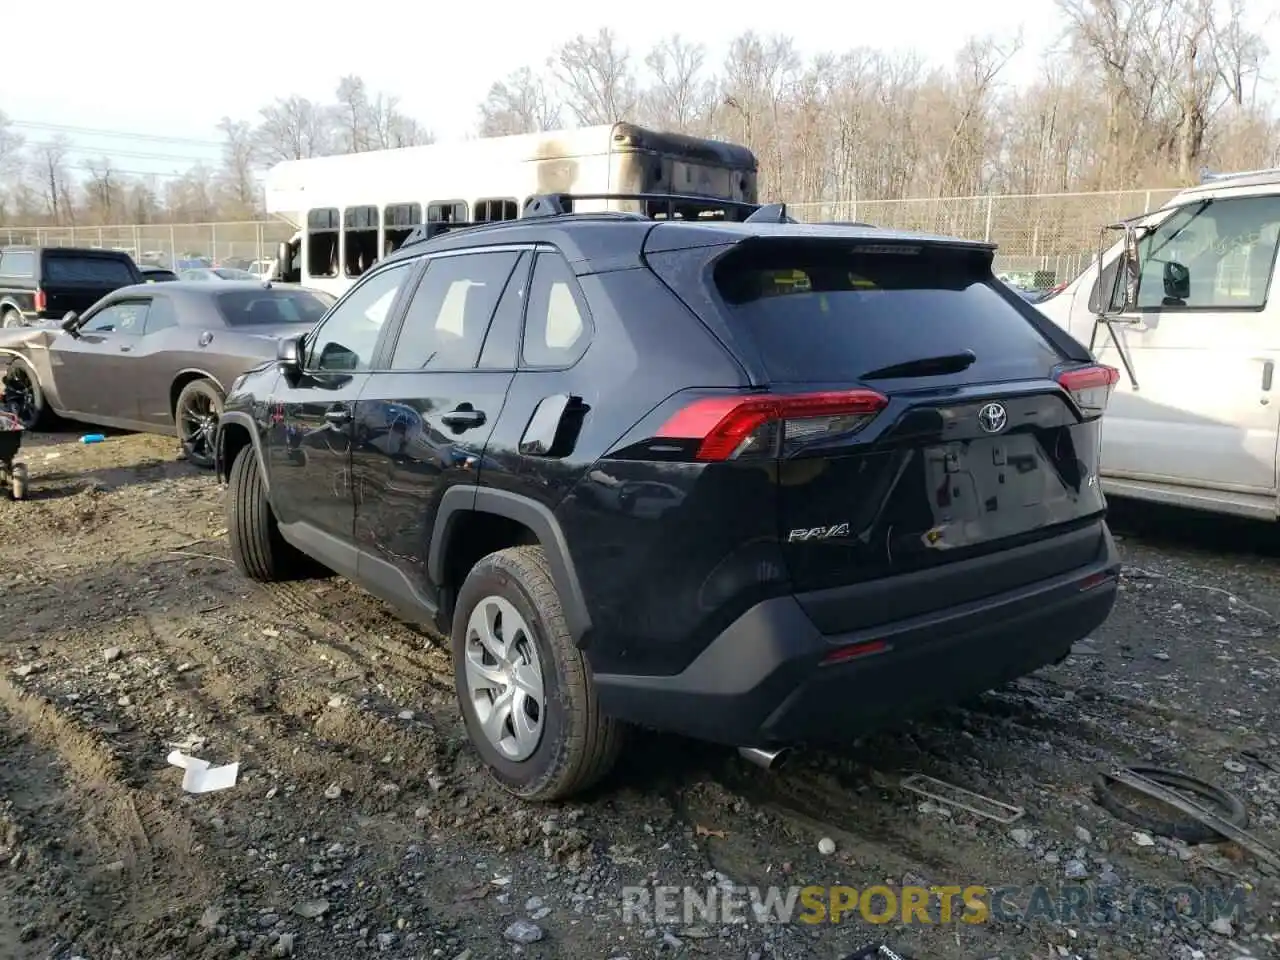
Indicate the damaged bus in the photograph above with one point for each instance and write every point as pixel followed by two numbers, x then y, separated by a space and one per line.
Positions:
pixel 350 211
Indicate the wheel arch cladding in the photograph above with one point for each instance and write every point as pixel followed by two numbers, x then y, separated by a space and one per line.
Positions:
pixel 464 500
pixel 235 432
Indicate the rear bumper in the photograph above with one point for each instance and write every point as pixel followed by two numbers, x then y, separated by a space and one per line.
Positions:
pixel 762 681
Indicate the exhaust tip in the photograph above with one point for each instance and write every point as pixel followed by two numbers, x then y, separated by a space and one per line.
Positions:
pixel 766 759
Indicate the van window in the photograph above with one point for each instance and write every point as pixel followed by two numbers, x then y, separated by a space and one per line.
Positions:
pixel 489 210
pixel 322 242
pixel 1218 255
pixel 398 220
pixel 447 211
pixel 359 239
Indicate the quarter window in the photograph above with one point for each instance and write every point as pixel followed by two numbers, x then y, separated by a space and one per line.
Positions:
pixel 556 330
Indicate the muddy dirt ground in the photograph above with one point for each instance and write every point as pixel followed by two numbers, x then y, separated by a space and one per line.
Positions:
pixel 361 824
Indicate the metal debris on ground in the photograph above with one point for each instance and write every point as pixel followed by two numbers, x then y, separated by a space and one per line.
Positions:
pixel 942 792
pixel 1194 830
pixel 1213 821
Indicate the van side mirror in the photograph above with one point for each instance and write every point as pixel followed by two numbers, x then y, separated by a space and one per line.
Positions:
pixel 1116 286
pixel 70 320
pixel 284 259
pixel 289 353
pixel 1177 282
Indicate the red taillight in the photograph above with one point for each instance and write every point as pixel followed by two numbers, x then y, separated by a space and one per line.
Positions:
pixel 1090 387
pixel 731 427
pixel 40 301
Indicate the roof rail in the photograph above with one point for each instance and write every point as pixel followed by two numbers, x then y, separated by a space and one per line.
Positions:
pixel 433 228
pixel 561 204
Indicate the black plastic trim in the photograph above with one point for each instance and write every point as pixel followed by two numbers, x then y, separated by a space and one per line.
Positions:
pixel 532 514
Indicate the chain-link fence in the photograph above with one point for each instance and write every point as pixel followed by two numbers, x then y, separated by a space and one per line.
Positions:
pixel 165 244
pixel 1047 238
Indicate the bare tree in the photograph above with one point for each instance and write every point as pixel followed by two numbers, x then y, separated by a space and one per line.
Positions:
pixel 599 86
pixel 519 104
pixel 352 114
pixel 293 128
pixel 678 96
pixel 236 176
pixel 103 190
pixel 50 167
pixel 11 143
pixel 389 128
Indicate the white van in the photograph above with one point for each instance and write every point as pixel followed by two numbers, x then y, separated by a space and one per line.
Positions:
pixel 1194 420
pixel 352 210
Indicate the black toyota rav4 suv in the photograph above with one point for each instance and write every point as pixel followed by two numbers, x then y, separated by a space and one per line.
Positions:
pixel 749 480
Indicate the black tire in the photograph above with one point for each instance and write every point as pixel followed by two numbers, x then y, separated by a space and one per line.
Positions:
pixel 257 548
pixel 579 745
pixel 10 319
pixel 40 414
pixel 195 417
pixel 1188 830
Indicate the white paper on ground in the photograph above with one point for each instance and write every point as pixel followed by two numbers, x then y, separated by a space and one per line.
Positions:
pixel 202 778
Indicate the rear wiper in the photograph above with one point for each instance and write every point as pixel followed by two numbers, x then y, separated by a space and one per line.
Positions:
pixel 925 367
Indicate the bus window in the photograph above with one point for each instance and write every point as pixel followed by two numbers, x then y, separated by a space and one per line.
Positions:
pixel 447 211
pixel 399 220
pixel 360 240
pixel 504 209
pixel 322 242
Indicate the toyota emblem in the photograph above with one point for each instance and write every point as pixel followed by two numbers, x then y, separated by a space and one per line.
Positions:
pixel 993 417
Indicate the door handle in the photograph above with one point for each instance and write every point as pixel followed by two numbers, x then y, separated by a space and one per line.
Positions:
pixel 338 416
pixel 463 417
pixel 1268 368
pixel 125 348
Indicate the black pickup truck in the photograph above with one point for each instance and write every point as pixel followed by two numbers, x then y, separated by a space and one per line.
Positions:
pixel 43 283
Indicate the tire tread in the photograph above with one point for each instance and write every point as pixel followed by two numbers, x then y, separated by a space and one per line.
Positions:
pixel 593 740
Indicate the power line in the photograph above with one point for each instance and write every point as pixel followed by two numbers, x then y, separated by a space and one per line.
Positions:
pixel 133 155
pixel 112 134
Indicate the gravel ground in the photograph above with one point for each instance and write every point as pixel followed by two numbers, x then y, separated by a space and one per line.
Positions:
pixel 362 825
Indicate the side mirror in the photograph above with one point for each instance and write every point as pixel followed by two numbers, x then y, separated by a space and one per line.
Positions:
pixel 289 353
pixel 1117 285
pixel 1177 281
pixel 70 320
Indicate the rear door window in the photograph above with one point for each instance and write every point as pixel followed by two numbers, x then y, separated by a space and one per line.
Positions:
pixel 69 268
pixel 827 312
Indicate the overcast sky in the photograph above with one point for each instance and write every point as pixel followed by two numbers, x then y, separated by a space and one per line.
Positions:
pixel 167 73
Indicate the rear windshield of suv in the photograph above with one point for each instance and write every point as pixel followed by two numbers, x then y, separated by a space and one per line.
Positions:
pixel 241 308
pixel 827 312
pixel 69 268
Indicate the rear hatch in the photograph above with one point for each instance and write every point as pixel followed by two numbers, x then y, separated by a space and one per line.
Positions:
pixel 77 279
pixel 916 415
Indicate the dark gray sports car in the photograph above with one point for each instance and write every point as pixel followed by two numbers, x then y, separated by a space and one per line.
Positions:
pixel 153 357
